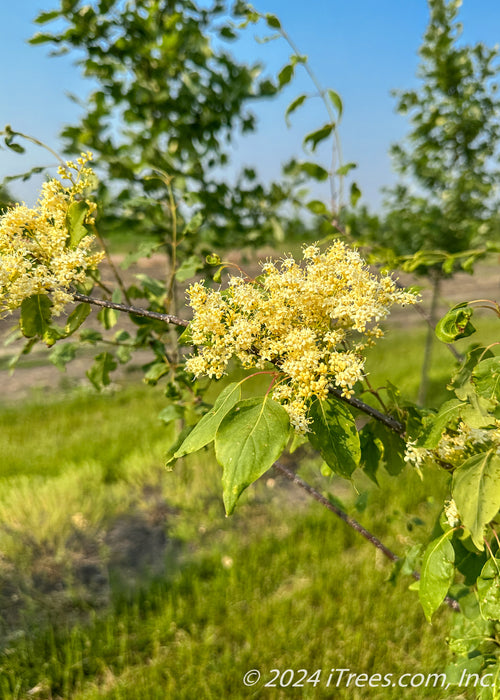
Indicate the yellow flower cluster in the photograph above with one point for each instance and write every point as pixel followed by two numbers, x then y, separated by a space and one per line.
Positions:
pixel 35 254
pixel 311 320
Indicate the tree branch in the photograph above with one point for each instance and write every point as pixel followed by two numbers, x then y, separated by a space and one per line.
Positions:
pixel 351 522
pixel 389 421
pixel 135 310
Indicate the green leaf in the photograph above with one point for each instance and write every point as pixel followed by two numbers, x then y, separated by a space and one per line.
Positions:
pixel 460 380
pixel 354 195
pixel 185 337
pixel 319 135
pixel 44 17
pixel 35 315
pixel 62 354
pixel 478 413
pixel 76 318
pixel 318 207
pixel 455 324
pixel 98 374
pixel 194 223
pixel 273 21
pixel 170 413
pixel 393 449
pixel 334 435
pixel 285 75
pixel 204 431
pixel 75 222
pixel 437 573
pixel 16 147
pixel 346 169
pixel 155 290
pixel 188 268
pixel 476 491
pixel 213 259
pixel 249 440
pixel 40 38
pixel 295 104
pixel 313 170
pixel 335 100
pixel 372 450
pixel 108 318
pixel 155 371
pixel 144 250
pixel 488 590
pixel 486 378
pixel 436 424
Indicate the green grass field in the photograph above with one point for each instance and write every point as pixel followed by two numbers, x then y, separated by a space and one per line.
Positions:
pixel 120 579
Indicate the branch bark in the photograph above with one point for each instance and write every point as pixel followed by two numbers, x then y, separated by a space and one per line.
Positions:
pixel 294 478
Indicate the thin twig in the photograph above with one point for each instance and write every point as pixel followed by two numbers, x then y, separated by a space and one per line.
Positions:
pixel 389 421
pixel 351 522
pixel 135 310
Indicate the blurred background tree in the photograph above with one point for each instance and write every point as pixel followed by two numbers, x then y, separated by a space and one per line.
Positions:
pixel 447 196
pixel 166 95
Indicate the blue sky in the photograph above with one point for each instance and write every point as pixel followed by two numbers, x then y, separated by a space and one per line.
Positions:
pixel 363 49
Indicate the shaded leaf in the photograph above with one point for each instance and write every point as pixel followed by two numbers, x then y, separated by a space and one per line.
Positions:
pixel 334 435
pixel 62 354
pixel 273 21
pixel 393 449
pixel 35 315
pixel 170 413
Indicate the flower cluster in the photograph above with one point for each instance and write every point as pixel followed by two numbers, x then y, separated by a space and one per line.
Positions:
pixel 37 255
pixel 310 320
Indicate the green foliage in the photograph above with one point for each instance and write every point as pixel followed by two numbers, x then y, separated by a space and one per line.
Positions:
pixel 165 98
